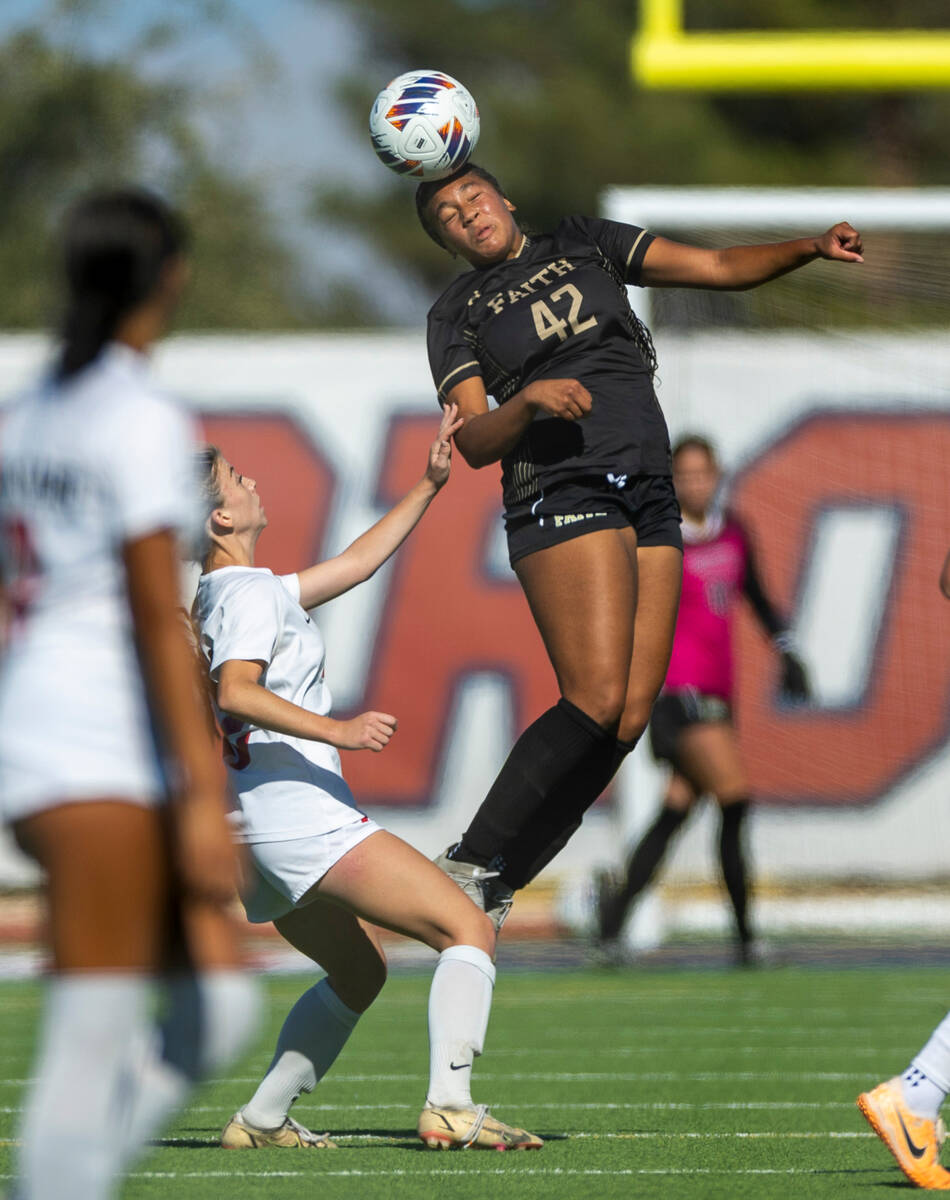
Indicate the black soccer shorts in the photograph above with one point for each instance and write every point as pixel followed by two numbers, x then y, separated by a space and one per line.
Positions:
pixel 678 710
pixel 577 506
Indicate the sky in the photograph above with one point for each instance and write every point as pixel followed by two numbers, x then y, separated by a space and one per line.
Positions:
pixel 266 70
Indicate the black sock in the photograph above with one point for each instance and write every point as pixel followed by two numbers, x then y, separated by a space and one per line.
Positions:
pixel 573 796
pixel 643 862
pixel 548 751
pixel 732 855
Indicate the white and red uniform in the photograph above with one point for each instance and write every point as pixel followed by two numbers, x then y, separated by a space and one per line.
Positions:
pixel 86 466
pixel 292 805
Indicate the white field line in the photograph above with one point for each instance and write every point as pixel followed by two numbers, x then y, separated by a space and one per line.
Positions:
pixel 673 1030
pixel 554 1106
pixel 696 1041
pixel 782 1135
pixel 800 1052
pixel 628 1051
pixel 428 1173
pixel 679 1031
pixel 856 1051
pixel 577 1077
pixel 602 1077
pixel 572 1135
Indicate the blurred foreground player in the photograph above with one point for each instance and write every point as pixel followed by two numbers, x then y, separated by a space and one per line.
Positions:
pixel 691 727
pixel 904 1111
pixel 319 868
pixel 108 774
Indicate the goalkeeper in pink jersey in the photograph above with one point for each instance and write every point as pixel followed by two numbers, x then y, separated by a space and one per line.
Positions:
pixel 691 726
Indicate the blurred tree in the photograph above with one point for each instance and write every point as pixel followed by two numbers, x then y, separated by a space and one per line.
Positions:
pixel 68 123
pixel 561 119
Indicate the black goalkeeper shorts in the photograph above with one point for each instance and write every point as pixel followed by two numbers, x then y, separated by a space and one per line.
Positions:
pixel 676 711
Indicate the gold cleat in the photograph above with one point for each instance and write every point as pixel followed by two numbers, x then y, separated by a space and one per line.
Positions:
pixel 482 886
pixel 239 1135
pixel 467 1128
pixel 914 1141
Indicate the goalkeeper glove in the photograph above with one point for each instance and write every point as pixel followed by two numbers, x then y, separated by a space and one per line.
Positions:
pixel 794 684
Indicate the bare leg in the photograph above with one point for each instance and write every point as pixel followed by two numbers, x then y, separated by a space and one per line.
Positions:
pixel 108 884
pixel 108 895
pixel 583 597
pixel 347 948
pixel 709 754
pixel 582 594
pixel 385 881
pixel 318 1025
pixel 658 571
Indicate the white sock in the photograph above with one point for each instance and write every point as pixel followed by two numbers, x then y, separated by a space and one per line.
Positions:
pixel 232 1003
pixel 208 1019
pixel 157 1090
pixel 312 1036
pixel 926 1081
pixel 71 1143
pixel 459 1005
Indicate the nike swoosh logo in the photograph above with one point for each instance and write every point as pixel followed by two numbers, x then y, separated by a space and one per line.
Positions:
pixel 917 1151
pixel 460 1067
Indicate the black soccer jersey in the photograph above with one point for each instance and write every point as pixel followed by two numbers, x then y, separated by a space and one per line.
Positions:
pixel 559 310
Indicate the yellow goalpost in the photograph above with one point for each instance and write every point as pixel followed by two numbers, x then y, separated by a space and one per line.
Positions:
pixel 663 55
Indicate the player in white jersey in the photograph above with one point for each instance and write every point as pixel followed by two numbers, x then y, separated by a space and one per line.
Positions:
pixel 320 867
pixel 101 718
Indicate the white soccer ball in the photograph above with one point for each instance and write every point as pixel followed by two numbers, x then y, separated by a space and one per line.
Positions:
pixel 424 124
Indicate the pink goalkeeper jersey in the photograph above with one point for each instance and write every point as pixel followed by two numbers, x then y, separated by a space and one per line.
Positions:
pixel 715 561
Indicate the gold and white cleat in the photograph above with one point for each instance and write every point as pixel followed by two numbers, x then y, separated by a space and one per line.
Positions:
pixel 468 1128
pixel 482 886
pixel 239 1135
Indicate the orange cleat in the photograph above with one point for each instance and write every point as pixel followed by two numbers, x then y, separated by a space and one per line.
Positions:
pixel 914 1141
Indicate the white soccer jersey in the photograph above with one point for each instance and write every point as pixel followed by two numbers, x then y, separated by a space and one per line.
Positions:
pixel 285 787
pixel 85 467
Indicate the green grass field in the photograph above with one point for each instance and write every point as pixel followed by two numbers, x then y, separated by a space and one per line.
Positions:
pixel 686 1083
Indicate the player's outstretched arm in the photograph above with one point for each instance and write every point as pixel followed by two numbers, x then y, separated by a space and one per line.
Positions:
pixel 366 555
pixel 735 268
pixel 241 695
pixel 488 434
pixel 754 591
pixel 794 684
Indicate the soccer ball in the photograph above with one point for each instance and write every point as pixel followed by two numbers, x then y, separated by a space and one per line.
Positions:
pixel 424 124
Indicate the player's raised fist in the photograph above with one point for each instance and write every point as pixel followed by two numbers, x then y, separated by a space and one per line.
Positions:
pixel 841 242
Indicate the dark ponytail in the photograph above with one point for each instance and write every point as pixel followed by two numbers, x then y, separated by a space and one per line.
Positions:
pixel 115 246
